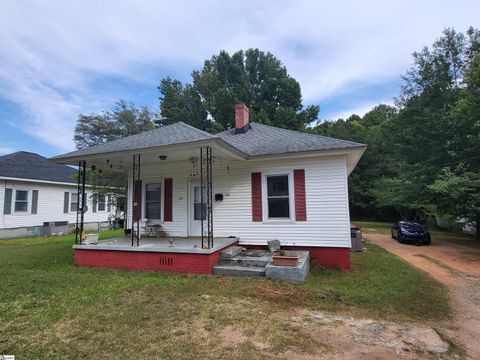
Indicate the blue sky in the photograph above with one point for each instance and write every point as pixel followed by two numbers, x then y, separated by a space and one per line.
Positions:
pixel 63 58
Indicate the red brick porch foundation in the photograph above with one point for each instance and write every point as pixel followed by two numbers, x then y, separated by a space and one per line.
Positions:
pixel 148 261
pixel 328 257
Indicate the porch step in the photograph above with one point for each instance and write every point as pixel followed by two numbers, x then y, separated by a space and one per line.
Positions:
pixel 238 270
pixel 241 260
pixel 231 252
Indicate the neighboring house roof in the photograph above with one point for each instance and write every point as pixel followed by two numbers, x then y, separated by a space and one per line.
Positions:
pixel 259 140
pixel 178 133
pixel 27 165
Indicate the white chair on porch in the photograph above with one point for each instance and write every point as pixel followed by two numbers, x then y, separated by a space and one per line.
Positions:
pixel 146 229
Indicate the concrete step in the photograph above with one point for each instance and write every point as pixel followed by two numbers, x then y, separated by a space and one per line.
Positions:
pixel 236 270
pixel 241 260
pixel 231 252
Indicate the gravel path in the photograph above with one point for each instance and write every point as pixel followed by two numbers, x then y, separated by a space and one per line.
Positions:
pixel 457 265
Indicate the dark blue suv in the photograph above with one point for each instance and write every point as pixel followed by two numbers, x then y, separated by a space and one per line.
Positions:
pixel 405 231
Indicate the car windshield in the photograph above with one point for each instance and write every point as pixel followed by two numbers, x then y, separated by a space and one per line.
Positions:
pixel 411 226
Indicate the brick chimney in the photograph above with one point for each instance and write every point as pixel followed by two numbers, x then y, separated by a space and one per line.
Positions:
pixel 241 118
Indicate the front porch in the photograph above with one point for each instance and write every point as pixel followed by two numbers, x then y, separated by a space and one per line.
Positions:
pixel 173 254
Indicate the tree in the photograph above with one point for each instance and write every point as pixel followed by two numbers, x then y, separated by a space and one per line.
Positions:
pixel 459 194
pixel 259 79
pixel 180 102
pixel 120 121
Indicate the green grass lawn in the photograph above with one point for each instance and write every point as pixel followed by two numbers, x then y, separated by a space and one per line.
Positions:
pixel 50 309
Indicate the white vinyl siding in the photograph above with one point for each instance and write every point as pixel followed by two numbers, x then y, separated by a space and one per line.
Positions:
pixel 49 205
pixel 328 221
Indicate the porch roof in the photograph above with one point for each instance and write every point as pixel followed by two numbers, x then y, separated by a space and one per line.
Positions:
pixel 258 142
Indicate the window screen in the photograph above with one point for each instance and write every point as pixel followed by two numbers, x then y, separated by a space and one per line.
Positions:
pixel 278 196
pixel 21 201
pixel 153 198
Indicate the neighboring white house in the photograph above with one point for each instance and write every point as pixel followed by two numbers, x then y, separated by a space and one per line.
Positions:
pixel 35 190
pixel 266 183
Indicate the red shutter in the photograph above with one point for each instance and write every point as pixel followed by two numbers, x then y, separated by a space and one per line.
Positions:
pixel 137 200
pixel 300 198
pixel 168 201
pixel 256 196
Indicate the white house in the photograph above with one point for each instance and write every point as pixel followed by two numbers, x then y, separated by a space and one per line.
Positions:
pixel 253 183
pixel 35 190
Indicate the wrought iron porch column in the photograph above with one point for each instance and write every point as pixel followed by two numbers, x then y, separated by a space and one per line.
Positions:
pixel 206 179
pixel 81 203
pixel 136 200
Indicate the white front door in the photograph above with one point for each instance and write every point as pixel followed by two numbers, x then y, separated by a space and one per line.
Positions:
pixel 197 209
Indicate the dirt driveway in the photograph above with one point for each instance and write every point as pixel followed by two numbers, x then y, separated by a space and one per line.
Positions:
pixel 456 263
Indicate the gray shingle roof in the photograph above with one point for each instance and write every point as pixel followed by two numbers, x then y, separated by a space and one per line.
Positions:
pixel 257 141
pixel 268 140
pixel 178 133
pixel 26 165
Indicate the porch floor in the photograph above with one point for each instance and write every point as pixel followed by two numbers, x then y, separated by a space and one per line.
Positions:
pixel 185 245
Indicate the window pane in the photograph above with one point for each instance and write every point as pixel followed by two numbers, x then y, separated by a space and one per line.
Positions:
pixel 101 198
pixel 278 208
pixel 277 185
pixel 21 195
pixel 21 206
pixel 153 192
pixel 73 203
pixel 101 206
pixel 197 195
pixel 197 211
pixel 153 210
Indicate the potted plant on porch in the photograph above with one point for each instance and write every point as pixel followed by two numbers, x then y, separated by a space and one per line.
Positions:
pixel 280 258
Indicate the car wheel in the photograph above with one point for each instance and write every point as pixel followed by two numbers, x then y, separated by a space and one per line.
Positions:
pixel 427 242
pixel 400 238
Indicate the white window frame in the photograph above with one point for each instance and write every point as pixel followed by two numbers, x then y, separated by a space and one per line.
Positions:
pixel 71 202
pixel 98 202
pixel 291 196
pixel 144 200
pixel 14 196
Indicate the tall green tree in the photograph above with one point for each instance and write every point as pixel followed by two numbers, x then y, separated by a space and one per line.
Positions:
pixel 122 120
pixel 180 102
pixel 254 77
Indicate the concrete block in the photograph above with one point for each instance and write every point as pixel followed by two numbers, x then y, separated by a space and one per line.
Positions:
pixel 273 245
pixel 297 273
pixel 231 252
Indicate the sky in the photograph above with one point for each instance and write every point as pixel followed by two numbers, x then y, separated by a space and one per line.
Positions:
pixel 59 59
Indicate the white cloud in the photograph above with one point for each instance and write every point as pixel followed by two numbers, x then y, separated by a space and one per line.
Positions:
pixel 360 110
pixel 5 150
pixel 53 52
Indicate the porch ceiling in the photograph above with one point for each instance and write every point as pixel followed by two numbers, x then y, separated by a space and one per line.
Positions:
pixel 123 160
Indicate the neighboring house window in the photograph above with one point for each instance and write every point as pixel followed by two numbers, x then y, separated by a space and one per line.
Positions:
pixel 73 202
pixel 278 197
pixel 21 201
pixel 101 203
pixel 153 199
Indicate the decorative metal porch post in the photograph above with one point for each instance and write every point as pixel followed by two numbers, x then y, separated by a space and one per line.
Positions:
pixel 81 203
pixel 206 179
pixel 136 200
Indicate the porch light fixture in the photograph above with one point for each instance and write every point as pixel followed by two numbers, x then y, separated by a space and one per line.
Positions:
pixel 163 157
